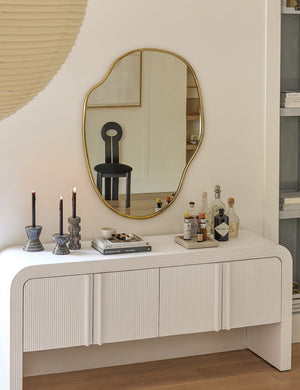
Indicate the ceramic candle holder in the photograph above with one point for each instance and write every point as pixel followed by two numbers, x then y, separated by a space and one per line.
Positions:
pixel 33 243
pixel 61 241
pixel 74 230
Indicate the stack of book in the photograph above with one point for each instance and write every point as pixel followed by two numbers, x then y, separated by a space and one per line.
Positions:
pixel 296 297
pixel 114 245
pixel 289 200
pixel 290 99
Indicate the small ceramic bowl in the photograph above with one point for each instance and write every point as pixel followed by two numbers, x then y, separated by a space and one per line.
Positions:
pixel 107 232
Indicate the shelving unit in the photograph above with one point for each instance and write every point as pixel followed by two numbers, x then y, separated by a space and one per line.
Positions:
pixel 289 221
pixel 192 116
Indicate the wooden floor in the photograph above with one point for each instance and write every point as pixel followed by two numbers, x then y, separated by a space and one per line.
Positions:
pixel 223 371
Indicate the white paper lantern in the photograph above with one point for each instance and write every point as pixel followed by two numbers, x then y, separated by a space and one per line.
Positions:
pixel 36 37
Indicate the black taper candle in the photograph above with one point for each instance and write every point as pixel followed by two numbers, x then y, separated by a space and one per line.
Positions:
pixel 61 213
pixel 74 203
pixel 33 208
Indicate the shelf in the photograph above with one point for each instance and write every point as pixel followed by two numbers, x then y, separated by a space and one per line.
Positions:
pixel 192 117
pixel 191 147
pixel 289 111
pixel 289 214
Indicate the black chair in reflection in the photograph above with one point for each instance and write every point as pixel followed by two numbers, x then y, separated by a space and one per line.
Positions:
pixel 111 133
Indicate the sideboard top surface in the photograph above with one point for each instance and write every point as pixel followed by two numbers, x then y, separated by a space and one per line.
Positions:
pixel 165 253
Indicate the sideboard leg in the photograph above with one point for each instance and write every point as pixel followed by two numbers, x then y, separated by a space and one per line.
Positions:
pixel 272 343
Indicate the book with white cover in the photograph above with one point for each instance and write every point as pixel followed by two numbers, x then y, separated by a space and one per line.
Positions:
pixel 289 207
pixel 289 197
pixel 123 249
pixel 113 242
pixel 288 93
pixel 290 105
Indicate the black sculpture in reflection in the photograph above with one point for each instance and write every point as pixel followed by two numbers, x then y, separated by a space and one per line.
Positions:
pixel 111 133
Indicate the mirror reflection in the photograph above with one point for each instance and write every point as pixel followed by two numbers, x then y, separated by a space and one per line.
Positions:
pixel 142 126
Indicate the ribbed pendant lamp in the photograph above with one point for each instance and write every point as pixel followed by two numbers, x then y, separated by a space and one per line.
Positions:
pixel 36 37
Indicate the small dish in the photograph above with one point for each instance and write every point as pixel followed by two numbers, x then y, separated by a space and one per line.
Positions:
pixel 107 232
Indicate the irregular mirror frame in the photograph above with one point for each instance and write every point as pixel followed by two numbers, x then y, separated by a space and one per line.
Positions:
pixel 140 85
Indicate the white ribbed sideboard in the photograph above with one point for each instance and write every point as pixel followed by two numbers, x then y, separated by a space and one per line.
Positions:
pixel 86 298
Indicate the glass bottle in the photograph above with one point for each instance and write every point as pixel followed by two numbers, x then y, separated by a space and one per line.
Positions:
pixel 194 218
pixel 204 209
pixel 234 220
pixel 158 205
pixel 199 233
pixel 203 226
pixel 221 226
pixel 214 207
pixel 187 227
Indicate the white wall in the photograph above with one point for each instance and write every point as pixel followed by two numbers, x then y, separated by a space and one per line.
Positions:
pixel 41 145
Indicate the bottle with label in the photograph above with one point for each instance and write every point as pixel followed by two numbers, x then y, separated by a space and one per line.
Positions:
pixel 234 220
pixel 203 226
pixel 187 227
pixel 168 200
pixel 221 226
pixel 199 233
pixel 204 209
pixel 194 218
pixel 215 205
pixel 158 205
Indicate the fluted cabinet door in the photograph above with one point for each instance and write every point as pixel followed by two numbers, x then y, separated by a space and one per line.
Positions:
pixel 251 292
pixel 190 299
pixel 57 312
pixel 126 305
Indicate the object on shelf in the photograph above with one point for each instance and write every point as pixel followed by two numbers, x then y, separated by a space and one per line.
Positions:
pixel 204 209
pixel 289 200
pixel 234 221
pixel 61 241
pixel 74 229
pixel 117 244
pixel 194 244
pixel 290 99
pixel 187 227
pixel 194 218
pixel 221 226
pixel 117 241
pixel 33 243
pixel 158 205
pixel 203 228
pixel 107 232
pixel 33 232
pixel 214 207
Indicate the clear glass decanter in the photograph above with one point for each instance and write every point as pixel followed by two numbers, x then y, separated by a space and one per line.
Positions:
pixel 234 220
pixel 204 209
pixel 214 207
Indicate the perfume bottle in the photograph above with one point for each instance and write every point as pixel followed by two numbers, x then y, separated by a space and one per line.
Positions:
pixel 204 209
pixel 215 205
pixel 194 218
pixel 187 227
pixel 221 226
pixel 234 220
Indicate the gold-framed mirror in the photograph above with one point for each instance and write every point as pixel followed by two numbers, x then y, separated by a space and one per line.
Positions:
pixel 142 126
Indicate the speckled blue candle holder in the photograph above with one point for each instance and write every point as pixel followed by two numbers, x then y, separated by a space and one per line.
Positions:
pixel 33 244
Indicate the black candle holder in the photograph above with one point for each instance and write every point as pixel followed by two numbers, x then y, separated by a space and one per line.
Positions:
pixel 74 230
pixel 61 244
pixel 33 243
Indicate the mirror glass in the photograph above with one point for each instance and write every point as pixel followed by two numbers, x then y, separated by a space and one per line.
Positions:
pixel 142 126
